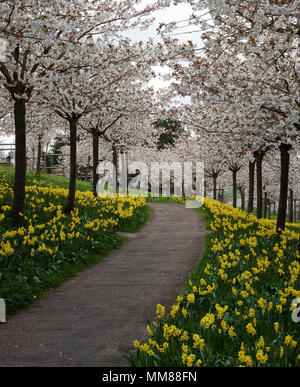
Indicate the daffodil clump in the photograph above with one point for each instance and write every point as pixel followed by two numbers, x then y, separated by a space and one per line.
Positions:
pixel 238 305
pixel 48 239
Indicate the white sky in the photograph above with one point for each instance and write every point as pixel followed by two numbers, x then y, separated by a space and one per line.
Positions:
pixel 178 13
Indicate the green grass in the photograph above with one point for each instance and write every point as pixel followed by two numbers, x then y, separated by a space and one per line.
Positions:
pixel 137 221
pixel 46 180
pixel 164 199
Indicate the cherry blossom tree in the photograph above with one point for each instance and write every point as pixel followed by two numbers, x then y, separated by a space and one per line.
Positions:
pixel 247 71
pixel 44 39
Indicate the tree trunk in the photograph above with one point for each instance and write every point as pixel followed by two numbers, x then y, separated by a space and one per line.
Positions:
pixel 234 187
pixel 265 205
pixel 33 159
pixel 284 181
pixel 259 193
pixel 291 208
pixel 95 160
pixel 124 172
pixel 73 166
pixel 20 159
pixel 115 171
pixel 251 186
pixel 215 186
pixel 243 201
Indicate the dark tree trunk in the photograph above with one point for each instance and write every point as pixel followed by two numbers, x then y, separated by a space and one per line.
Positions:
pixel 234 187
pixel 251 186
pixel 291 208
pixel 284 181
pixel 20 159
pixel 73 166
pixel 265 205
pixel 243 201
pixel 259 187
pixel 215 186
pixel 95 160
pixel 183 191
pixel 39 156
pixel 33 159
pixel 115 171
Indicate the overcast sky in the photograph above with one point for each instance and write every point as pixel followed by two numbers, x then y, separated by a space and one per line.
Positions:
pixel 176 13
pixel 179 13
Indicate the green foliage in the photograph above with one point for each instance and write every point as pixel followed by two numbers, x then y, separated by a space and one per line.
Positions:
pixel 140 217
pixel 45 180
pixel 172 130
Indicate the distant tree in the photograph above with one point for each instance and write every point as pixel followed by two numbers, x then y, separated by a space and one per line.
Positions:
pixel 9 158
pixel 172 130
pixel 59 142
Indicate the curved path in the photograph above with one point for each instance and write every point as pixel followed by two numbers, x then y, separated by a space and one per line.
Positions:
pixel 93 319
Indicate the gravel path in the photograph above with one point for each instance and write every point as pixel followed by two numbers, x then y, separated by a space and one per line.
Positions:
pixel 93 319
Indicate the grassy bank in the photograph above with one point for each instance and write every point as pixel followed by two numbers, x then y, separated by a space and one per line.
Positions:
pixel 45 180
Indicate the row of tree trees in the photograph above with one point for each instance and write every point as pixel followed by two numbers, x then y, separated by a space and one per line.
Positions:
pixel 71 59
pixel 244 87
pixel 69 62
